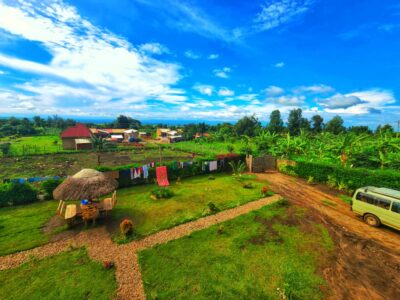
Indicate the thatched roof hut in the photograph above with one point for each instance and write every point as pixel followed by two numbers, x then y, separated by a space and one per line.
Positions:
pixel 84 184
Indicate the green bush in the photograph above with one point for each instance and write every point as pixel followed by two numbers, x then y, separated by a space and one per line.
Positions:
pixel 346 178
pixel 162 193
pixel 16 193
pixel 49 186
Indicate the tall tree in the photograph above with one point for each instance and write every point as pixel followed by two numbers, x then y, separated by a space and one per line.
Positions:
pixel 335 125
pixel 317 123
pixel 249 126
pixel 126 122
pixel 275 122
pixel 385 128
pixel 295 121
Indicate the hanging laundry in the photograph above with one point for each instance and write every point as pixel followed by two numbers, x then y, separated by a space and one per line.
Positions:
pixel 145 172
pixel 213 165
pixel 30 180
pixel 132 173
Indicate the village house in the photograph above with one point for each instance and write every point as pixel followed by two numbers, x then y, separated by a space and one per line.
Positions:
pixel 77 137
pixel 166 135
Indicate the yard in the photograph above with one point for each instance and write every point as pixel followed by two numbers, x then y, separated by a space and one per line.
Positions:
pixel 25 227
pixel 190 202
pixel 274 250
pixel 69 275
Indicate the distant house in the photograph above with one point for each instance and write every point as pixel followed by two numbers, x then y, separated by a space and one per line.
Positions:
pixel 144 135
pixel 200 135
pixel 131 134
pixel 169 136
pixel 76 138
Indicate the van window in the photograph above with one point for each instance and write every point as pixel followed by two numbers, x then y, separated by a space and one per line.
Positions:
pixel 396 207
pixel 382 203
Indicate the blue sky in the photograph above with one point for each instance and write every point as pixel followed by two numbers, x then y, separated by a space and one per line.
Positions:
pixel 201 60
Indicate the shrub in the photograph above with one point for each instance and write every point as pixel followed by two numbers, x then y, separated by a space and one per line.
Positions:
pixel 5 148
pixel 248 185
pixel 49 186
pixel 162 193
pixel 349 178
pixel 211 177
pixel 17 193
pixel 126 227
pixel 212 207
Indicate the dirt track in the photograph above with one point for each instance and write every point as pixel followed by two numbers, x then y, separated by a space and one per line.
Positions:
pixel 366 261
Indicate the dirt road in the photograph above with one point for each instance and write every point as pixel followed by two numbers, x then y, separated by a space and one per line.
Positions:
pixel 366 261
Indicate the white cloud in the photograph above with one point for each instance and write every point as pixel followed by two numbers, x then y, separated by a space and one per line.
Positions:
pixel 273 90
pixel 192 55
pixel 358 103
pixel 317 89
pixel 247 97
pixel 277 13
pixel 86 58
pixel 222 73
pixel 288 100
pixel 279 64
pixel 213 56
pixel 225 92
pixel 204 89
pixel 2 72
pixel 154 48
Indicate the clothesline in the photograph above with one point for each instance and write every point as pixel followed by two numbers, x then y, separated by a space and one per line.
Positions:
pixel 134 172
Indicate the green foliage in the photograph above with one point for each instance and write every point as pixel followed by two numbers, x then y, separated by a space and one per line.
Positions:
pixel 162 193
pixel 275 122
pixel 17 193
pixel 5 148
pixel 335 125
pixel 49 186
pixel 346 178
pixel 237 167
pixel 212 207
pixel 249 126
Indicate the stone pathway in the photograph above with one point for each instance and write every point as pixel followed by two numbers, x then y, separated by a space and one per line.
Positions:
pixel 101 248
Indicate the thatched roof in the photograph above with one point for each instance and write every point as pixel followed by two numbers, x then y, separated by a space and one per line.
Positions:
pixel 84 184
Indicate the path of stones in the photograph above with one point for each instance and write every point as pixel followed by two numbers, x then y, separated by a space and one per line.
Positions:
pixel 101 248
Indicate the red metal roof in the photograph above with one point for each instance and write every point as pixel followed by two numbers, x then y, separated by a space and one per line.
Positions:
pixel 77 131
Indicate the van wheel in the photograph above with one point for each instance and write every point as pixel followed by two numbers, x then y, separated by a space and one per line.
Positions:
pixel 372 220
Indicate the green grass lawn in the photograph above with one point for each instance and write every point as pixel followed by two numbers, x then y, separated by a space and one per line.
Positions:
pixel 21 226
pixel 69 275
pixel 190 202
pixel 34 144
pixel 207 149
pixel 249 257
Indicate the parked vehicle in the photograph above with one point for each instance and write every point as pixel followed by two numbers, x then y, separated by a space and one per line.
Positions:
pixel 378 206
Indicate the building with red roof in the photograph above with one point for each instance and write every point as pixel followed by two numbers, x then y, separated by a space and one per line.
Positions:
pixel 76 138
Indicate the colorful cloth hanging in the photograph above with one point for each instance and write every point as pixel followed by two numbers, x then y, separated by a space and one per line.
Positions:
pixel 162 176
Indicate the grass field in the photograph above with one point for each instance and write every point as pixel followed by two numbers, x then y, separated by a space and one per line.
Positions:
pixel 249 257
pixel 34 144
pixel 189 202
pixel 21 226
pixel 69 275
pixel 206 149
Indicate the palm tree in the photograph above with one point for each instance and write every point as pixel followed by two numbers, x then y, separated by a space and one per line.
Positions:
pixel 385 145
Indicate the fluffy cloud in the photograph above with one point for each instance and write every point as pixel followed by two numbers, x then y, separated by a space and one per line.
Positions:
pixel 317 89
pixel 288 100
pixel 340 101
pixel 222 73
pixel 225 92
pixel 213 56
pixel 279 64
pixel 204 89
pixel 273 90
pixel 154 48
pixel 85 57
pixel 358 103
pixel 192 55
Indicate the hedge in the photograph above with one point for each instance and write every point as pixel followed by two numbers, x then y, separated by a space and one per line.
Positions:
pixel 17 193
pixel 174 172
pixel 352 178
